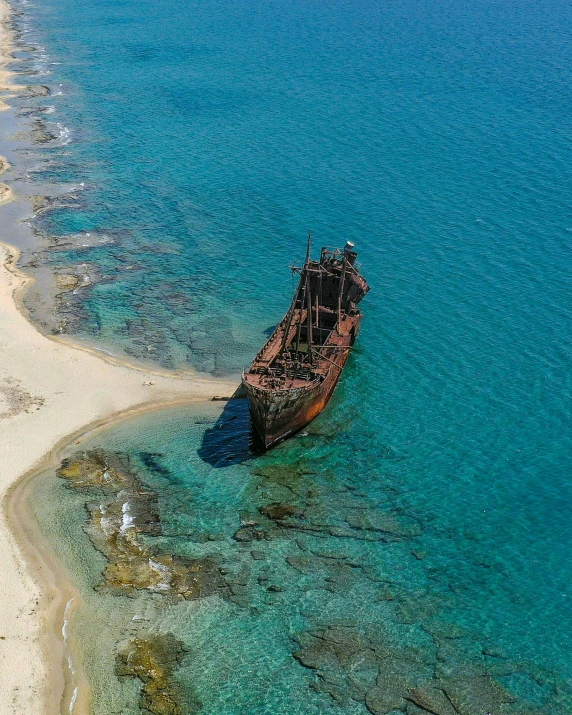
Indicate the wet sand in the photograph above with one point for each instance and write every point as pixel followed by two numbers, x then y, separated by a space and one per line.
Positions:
pixel 50 391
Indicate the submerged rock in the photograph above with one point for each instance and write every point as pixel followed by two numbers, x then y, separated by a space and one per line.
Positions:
pixel 431 699
pixel 35 90
pixel 248 533
pixel 66 281
pixel 387 677
pixel 39 203
pixel 40 135
pixel 135 564
pixel 279 511
pixel 382 701
pixel 383 522
pixel 117 524
pixel 96 468
pixel 152 660
pixel 471 695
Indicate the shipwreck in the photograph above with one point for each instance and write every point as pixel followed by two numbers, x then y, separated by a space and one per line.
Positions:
pixel 294 375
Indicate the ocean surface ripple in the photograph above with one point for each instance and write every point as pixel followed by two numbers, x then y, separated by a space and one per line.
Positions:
pixel 178 162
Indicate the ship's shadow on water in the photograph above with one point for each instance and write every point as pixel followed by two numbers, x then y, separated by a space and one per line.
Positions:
pixel 231 440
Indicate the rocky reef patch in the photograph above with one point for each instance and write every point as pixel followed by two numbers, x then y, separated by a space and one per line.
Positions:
pixel 451 674
pixel 394 649
pixel 348 580
pixel 153 658
pixel 121 524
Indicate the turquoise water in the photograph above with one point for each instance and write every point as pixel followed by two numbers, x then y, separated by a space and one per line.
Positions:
pixel 199 144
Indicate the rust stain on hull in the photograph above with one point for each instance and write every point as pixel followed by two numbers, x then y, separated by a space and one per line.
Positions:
pixel 293 377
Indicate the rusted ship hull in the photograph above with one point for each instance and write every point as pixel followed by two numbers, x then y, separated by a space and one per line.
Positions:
pixel 278 414
pixel 293 377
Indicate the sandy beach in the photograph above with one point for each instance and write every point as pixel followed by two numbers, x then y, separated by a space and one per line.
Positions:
pixel 50 390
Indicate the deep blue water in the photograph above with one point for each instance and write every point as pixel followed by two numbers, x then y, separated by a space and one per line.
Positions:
pixel 210 137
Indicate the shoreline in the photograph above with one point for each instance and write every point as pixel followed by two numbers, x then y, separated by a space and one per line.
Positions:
pixel 52 392
pixel 41 417
pixel 66 688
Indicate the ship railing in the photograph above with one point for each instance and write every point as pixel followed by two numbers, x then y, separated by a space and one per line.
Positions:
pixel 300 374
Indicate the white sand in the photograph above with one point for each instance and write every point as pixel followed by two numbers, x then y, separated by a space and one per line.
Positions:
pixel 50 390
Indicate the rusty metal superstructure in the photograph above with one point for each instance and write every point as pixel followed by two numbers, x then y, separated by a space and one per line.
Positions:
pixel 292 378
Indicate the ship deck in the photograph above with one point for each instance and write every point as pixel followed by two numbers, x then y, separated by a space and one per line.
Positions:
pixel 274 384
pixel 271 372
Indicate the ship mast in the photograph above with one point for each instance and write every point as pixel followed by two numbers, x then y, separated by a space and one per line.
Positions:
pixel 309 299
pixel 295 300
pixel 306 298
pixel 309 321
pixel 341 290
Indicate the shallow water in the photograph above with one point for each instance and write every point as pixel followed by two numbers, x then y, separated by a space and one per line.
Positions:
pixel 361 549
pixel 201 145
